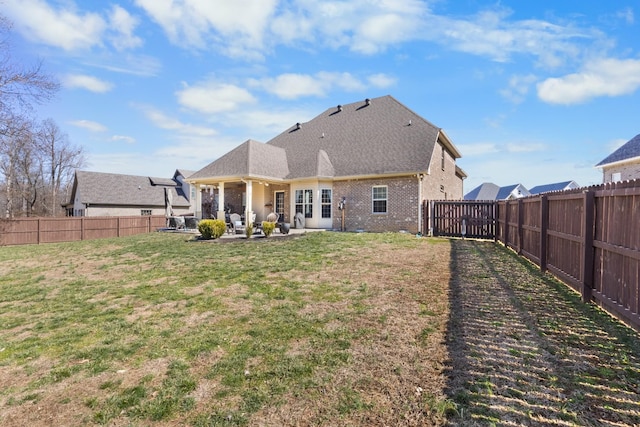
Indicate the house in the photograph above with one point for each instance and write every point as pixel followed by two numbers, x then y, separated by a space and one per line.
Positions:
pixel 490 191
pixel 623 164
pixel 375 158
pixel 109 194
pixel 558 186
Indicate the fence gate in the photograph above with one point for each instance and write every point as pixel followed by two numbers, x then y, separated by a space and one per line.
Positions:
pixel 460 218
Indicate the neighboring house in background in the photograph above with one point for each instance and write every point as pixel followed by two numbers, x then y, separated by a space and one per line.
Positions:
pixel 490 191
pixel 558 186
pixel 109 194
pixel 623 164
pixel 377 156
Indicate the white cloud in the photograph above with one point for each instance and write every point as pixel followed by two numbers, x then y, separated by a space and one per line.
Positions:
pixel 518 88
pixel 163 121
pixel 89 125
pixel 521 147
pixel 65 27
pixel 90 83
pixel 213 97
pixel 477 149
pixel 602 77
pixel 381 80
pixel 123 25
pixel 293 86
pixel 238 27
pixel 123 138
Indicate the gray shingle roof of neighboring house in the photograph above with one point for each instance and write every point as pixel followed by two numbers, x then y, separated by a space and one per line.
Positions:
pixel 508 190
pixel 100 188
pixel 490 191
pixel 558 186
pixel 370 137
pixel 485 191
pixel 630 150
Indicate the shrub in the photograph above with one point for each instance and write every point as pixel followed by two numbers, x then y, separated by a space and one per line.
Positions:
pixel 248 230
pixel 268 227
pixel 211 228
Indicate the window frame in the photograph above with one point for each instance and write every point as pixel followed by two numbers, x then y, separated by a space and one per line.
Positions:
pixel 304 202
pixel 326 205
pixel 376 198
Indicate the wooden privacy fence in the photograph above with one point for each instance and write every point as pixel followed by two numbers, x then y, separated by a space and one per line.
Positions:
pixel 589 238
pixel 460 218
pixel 24 231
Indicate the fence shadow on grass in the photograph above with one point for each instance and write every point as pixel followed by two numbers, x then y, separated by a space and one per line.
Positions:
pixel 524 350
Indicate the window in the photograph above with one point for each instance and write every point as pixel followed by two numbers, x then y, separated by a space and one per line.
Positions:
pixel 279 207
pixel 325 202
pixel 145 212
pixel 379 196
pixel 616 176
pixel 304 202
pixel 442 158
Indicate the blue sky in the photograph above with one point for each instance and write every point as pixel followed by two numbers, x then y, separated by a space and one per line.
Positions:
pixel 530 92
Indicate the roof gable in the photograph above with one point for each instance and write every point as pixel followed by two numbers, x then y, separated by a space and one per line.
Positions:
pixel 249 159
pixel 630 150
pixel 100 188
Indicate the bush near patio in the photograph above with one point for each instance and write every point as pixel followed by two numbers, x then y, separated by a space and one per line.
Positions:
pixel 211 228
pixel 268 227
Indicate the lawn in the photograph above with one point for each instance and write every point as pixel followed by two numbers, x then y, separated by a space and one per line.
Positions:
pixel 159 329
pixel 320 329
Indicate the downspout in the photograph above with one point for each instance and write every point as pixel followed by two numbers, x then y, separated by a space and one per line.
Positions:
pixel 420 178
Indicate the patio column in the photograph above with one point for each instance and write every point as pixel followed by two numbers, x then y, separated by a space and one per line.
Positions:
pixel 220 213
pixel 249 208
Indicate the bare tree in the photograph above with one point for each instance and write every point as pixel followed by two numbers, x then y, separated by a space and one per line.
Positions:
pixel 59 158
pixel 12 142
pixel 20 88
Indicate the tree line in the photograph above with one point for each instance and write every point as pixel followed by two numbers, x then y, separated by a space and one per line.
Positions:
pixel 37 160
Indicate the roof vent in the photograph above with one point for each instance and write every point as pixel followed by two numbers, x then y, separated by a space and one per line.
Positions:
pixel 367 101
pixel 409 122
pixel 339 107
pixel 298 125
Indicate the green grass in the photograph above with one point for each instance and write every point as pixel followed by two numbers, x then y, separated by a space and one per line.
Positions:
pixel 228 316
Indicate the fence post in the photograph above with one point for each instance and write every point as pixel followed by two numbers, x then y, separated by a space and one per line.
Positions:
pixel 506 223
pixel 587 250
pixel 520 228
pixel 82 228
pixel 544 226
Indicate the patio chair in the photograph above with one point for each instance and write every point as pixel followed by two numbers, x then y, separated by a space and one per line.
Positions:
pixel 236 223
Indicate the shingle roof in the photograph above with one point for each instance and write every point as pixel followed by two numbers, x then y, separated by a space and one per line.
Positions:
pixel 124 190
pixel 490 191
pixel 558 186
pixel 251 158
pixel 507 190
pixel 381 136
pixel 485 191
pixel 370 137
pixel 629 150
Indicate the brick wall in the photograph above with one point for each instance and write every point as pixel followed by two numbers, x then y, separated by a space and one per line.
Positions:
pixel 628 172
pixel 442 184
pixel 402 205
